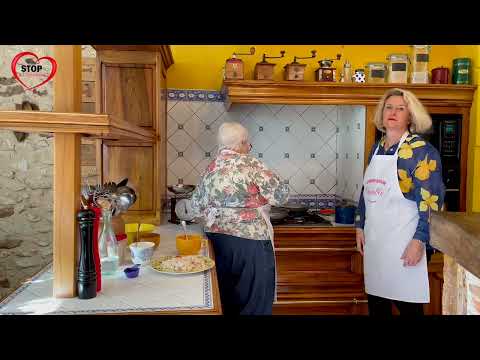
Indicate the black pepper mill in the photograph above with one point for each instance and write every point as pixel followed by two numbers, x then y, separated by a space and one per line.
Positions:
pixel 87 277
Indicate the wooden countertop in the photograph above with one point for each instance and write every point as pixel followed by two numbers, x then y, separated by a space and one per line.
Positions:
pixel 457 234
pixel 149 294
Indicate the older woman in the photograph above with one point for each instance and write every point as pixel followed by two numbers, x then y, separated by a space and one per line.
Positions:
pixel 402 185
pixel 233 197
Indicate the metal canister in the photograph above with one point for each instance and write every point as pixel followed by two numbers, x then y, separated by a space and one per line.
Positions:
pixel 440 75
pixel 461 71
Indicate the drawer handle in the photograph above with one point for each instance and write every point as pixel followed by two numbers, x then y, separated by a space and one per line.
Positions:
pixel 354 301
pixel 350 249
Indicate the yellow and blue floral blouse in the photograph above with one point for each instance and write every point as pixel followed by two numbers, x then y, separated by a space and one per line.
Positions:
pixel 420 179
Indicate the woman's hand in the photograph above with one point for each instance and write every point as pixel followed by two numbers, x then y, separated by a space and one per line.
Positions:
pixel 360 240
pixel 413 253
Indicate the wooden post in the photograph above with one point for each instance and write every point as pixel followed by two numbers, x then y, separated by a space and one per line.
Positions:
pixel 67 82
pixel 66 201
pixel 66 173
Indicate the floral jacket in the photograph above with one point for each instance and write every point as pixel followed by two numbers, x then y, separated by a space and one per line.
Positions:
pixel 237 185
pixel 420 179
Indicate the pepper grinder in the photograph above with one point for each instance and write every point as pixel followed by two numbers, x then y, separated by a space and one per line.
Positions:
pixel 87 278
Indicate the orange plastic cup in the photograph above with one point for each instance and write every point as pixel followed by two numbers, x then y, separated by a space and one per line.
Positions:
pixel 190 245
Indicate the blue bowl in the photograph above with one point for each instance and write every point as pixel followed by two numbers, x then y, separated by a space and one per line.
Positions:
pixel 132 272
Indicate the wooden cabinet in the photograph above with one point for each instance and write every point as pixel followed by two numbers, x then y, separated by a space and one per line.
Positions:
pixel 128 92
pixel 320 272
pixel 136 161
pixel 132 87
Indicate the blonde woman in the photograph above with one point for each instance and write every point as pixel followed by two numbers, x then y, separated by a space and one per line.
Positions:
pixel 233 198
pixel 402 185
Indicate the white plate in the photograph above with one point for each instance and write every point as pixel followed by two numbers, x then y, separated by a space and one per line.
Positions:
pixel 210 264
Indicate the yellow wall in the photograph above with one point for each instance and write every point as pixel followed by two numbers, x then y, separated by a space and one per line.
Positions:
pixel 200 66
pixel 473 181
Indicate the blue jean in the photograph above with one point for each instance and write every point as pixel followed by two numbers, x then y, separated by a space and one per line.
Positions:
pixel 246 274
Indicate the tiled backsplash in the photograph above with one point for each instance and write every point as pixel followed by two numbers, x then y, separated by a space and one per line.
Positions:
pixel 350 148
pixel 299 142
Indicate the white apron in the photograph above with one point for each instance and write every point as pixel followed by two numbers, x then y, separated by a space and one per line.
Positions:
pixel 390 224
pixel 211 214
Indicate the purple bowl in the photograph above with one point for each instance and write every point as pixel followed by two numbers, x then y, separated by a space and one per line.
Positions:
pixel 132 272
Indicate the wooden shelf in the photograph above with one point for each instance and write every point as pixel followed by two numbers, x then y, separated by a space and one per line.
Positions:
pixel 92 125
pixel 322 93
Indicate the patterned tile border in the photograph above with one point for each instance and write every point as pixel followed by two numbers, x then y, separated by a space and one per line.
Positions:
pixel 207 290
pixel 194 95
pixel 315 201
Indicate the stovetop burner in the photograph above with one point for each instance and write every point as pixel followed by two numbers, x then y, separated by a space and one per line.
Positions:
pixel 310 218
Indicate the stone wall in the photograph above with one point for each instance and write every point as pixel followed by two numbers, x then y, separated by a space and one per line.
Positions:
pixel 88 160
pixel 26 178
pixel 26 169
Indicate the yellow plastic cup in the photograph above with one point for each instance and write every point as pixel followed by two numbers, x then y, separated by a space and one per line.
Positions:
pixel 131 231
pixel 190 245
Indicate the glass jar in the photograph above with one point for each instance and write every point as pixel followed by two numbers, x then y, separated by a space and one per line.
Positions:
pixel 376 73
pixel 420 56
pixel 397 68
pixel 108 247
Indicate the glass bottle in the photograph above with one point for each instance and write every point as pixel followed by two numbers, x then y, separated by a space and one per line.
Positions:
pixel 347 72
pixel 108 246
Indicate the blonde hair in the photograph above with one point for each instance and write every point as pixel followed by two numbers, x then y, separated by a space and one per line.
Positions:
pixel 420 120
pixel 231 135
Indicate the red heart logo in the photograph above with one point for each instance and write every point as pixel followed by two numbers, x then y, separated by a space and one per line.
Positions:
pixel 17 58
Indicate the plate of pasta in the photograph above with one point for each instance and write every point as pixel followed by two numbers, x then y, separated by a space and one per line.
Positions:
pixel 187 264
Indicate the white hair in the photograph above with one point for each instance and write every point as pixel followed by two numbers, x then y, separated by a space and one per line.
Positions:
pixel 231 135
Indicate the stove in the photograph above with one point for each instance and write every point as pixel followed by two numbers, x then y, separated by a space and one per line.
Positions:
pixel 309 219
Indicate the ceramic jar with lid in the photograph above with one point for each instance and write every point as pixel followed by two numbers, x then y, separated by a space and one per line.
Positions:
pixel 359 76
pixel 461 71
pixel 440 75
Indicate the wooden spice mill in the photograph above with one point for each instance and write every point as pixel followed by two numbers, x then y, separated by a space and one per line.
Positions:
pixel 295 70
pixel 234 69
pixel 264 70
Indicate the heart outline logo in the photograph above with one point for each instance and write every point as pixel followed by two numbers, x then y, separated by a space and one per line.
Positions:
pixel 25 53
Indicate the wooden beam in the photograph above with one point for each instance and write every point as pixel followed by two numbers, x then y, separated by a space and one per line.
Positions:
pixel 67 83
pixel 457 234
pixel 66 172
pixel 66 200
pixel 98 125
